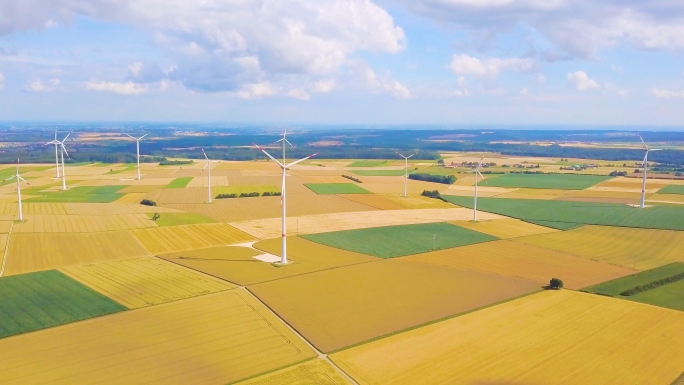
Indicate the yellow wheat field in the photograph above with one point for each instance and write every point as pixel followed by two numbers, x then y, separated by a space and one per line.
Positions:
pixel 32 252
pixel 176 238
pixel 413 187
pixel 668 198
pixel 313 224
pixel 531 193
pixel 533 263
pixel 144 281
pixel 132 198
pixel 314 372
pixel 639 249
pixel 418 202
pixel 179 195
pixel 244 209
pixel 203 180
pixel 550 337
pixel 376 201
pixel 82 223
pixel 482 191
pixel 213 339
pixel 34 208
pixel 5 226
pixel 505 228
pixel 114 208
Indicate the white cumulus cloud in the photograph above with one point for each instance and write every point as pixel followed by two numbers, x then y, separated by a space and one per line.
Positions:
pixel 125 88
pixel 2 81
pixel 324 86
pixel 39 86
pixel 667 94
pixel 579 80
pixel 257 90
pixel 298 93
pixel 468 65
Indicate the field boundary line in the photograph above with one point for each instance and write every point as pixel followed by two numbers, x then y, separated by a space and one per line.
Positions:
pixel 321 355
pixel 4 257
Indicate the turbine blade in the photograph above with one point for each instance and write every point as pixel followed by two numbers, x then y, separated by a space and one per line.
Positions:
pixel 54 142
pixel 655 149
pixel 410 156
pixel 141 138
pixel 65 151
pixel 205 155
pixel 65 138
pixel 130 136
pixel 301 160
pixel 288 142
pixel 642 141
pixel 269 155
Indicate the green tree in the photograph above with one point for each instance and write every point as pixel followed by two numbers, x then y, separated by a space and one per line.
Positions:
pixel 555 284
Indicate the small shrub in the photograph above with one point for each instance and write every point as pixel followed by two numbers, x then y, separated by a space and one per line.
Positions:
pixel 555 284
pixel 156 216
pixel 148 202
pixel 271 194
pixel 357 180
pixel 431 194
pixel 226 196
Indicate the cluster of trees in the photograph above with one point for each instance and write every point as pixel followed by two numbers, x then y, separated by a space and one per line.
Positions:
pixel 527 172
pixel 618 173
pixel 249 195
pixel 431 194
pixel 167 162
pixel 445 179
pixel 653 285
pixel 555 284
pixel 148 202
pixel 357 180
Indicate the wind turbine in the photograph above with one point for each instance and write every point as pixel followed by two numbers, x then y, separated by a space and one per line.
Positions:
pixel 643 184
pixel 284 140
pixel 19 179
pixel 406 158
pixel 208 167
pixel 283 166
pixel 137 148
pixel 56 157
pixel 477 172
pixel 57 142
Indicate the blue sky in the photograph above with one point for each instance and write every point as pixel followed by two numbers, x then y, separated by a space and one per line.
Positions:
pixel 460 62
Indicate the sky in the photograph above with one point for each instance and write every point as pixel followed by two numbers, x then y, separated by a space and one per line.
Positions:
pixel 394 62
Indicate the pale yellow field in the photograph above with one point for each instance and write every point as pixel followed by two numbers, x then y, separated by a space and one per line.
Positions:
pixel 243 209
pixel 419 202
pixel 329 178
pixel 530 193
pixel 674 198
pixel 178 195
pixel 145 281
pixel 111 209
pixel 313 224
pixel 234 165
pixel 519 260
pixel 605 194
pixel 82 223
pixel 380 202
pixel 469 191
pixel 132 198
pixel 203 180
pixel 414 187
pixel 549 337
pixel 33 252
pixel 505 228
pixel 5 226
pixel 176 238
pixel 213 339
pixel 314 372
pixel 640 249
pixel 34 208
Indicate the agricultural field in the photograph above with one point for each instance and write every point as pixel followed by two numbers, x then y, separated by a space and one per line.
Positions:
pixel 505 228
pixel 547 181
pixel 379 172
pixel 519 260
pixel 30 252
pixel 176 238
pixel 46 299
pixel 336 188
pixel 213 339
pixel 379 202
pixel 82 223
pixel 669 296
pixel 672 189
pixel 239 189
pixel 238 265
pixel 337 308
pixel 92 194
pixel 314 224
pixel 638 249
pixel 574 213
pixel 179 182
pixel 144 281
pixel 314 372
pixel 560 334
pixel 368 163
pixel 177 219
pixel 396 241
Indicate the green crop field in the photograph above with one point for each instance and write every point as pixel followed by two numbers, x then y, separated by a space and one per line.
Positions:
pixel 127 168
pixel 547 181
pixel 670 295
pixel 45 299
pixel 379 172
pixel 11 171
pixel 576 213
pixel 179 182
pixel 368 163
pixel 396 241
pixel 672 189
pixel 80 194
pixel 175 219
pixel 336 188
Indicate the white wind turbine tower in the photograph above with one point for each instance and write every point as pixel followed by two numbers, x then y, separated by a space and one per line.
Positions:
pixel 56 157
pixel 208 168
pixel 406 158
pixel 283 166
pixel 137 148
pixel 477 173
pixel 19 180
pixel 57 142
pixel 643 184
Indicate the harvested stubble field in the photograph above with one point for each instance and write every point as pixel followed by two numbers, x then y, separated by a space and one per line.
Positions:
pixel 560 334
pixel 377 201
pixel 82 223
pixel 396 241
pixel 379 172
pixel 176 238
pixel 419 202
pixel 414 186
pixel 177 219
pixel 111 209
pixel 245 209
pixel 547 181
pixel 248 188
pixel 640 249
pixel 203 180
pixel 469 191
pixel 34 208
pixel 237 264
pixel 530 193
pixel 168 196
pixel 33 252
pixel 144 281
pixel 45 299
pixel 505 228
pixel 532 263
pixel 607 214
pixel 336 188
pixel 213 339
pixel 314 372
pixel 341 307
pixel 314 224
